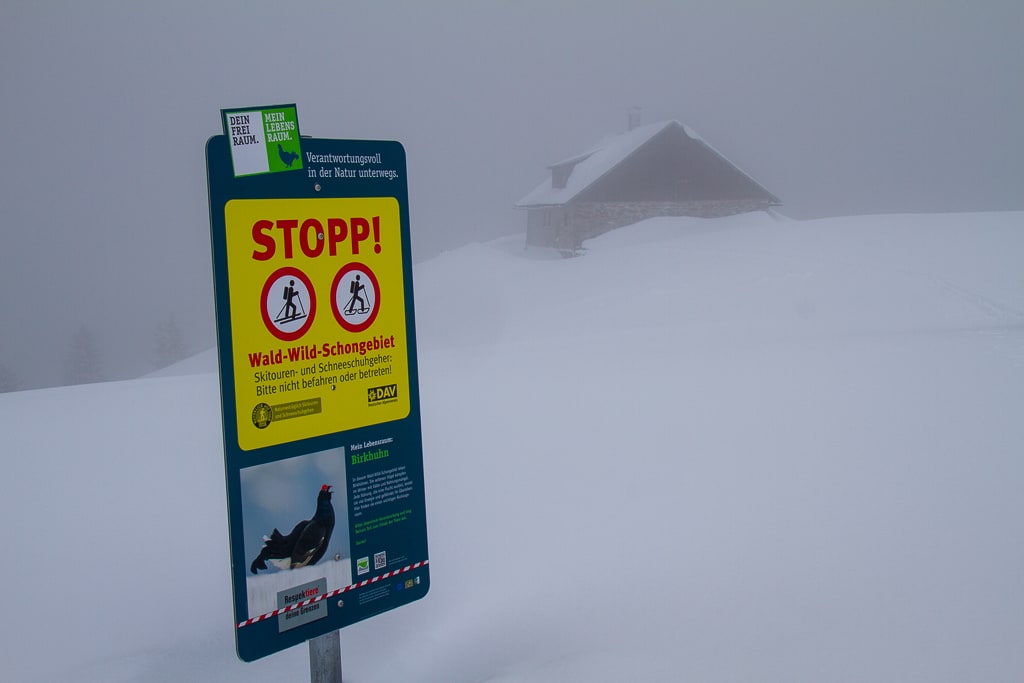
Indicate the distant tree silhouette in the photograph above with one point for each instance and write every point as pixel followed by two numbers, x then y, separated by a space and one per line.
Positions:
pixel 171 346
pixel 83 363
pixel 9 381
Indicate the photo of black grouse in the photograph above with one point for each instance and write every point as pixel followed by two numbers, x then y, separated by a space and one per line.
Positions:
pixel 307 542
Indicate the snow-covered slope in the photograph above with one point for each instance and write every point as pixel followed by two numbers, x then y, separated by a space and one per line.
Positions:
pixel 727 450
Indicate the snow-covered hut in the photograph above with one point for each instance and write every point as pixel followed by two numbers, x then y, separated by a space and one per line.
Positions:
pixel 660 169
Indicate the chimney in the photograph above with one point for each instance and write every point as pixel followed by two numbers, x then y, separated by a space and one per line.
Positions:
pixel 635 117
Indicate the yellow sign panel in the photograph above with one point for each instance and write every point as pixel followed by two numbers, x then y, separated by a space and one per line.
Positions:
pixel 317 301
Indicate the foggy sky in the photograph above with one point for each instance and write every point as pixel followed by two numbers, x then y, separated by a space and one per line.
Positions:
pixel 836 107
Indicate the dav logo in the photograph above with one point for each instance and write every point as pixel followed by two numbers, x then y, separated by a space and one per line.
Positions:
pixel 381 395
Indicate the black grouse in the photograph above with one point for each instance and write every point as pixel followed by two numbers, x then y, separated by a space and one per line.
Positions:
pixel 307 542
pixel 288 157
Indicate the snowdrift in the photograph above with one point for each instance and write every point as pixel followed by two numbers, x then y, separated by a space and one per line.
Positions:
pixel 737 449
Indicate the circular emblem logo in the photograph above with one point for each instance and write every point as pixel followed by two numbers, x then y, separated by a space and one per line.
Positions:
pixel 262 415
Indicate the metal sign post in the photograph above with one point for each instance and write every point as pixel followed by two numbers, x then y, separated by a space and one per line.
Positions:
pixel 325 658
pixel 316 340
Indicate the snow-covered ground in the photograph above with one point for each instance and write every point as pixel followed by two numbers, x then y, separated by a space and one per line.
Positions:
pixel 730 450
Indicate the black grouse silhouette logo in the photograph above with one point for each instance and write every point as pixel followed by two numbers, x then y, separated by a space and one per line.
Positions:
pixel 307 542
pixel 287 157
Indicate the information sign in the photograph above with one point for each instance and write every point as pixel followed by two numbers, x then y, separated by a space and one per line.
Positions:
pixel 318 375
pixel 263 140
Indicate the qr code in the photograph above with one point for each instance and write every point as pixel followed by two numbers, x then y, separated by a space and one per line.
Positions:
pixel 380 560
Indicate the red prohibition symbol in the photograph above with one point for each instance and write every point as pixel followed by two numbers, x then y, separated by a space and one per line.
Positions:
pixel 355 297
pixel 288 303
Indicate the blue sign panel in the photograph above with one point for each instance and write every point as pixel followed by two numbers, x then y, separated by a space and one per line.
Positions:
pixel 323 446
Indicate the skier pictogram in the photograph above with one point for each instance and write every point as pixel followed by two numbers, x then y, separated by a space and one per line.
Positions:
pixel 291 310
pixel 355 297
pixel 288 303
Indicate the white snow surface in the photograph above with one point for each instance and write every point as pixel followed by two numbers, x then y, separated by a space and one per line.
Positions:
pixel 706 450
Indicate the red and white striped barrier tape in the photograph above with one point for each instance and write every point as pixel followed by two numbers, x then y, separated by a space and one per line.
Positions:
pixel 325 596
